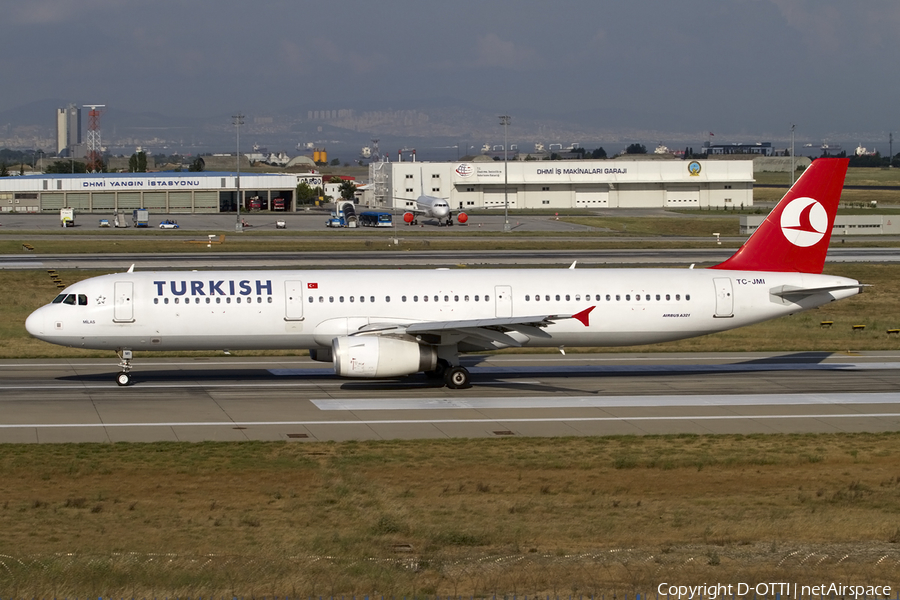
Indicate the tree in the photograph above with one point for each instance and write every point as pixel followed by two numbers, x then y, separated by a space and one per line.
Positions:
pixel 197 165
pixel 306 194
pixel 348 189
pixel 4 170
pixel 598 153
pixel 65 166
pixel 137 163
pixel 636 149
pixel 335 162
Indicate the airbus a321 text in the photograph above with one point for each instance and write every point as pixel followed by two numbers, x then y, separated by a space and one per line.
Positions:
pixel 394 323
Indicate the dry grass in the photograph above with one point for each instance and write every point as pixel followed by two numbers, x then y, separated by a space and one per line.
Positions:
pixel 526 516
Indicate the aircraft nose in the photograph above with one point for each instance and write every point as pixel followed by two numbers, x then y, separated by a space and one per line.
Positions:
pixel 34 324
pixel 440 211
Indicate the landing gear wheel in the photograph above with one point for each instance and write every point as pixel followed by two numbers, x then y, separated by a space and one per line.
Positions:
pixel 457 378
pixel 123 378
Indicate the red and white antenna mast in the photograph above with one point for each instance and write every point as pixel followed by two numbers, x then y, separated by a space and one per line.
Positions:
pixel 94 147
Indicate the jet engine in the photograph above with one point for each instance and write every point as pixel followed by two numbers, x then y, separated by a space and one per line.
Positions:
pixel 462 218
pixel 408 218
pixel 374 356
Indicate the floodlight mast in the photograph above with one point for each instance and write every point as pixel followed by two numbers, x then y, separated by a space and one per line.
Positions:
pixel 504 120
pixel 238 120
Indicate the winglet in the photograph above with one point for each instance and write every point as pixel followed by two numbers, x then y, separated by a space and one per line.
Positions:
pixel 583 315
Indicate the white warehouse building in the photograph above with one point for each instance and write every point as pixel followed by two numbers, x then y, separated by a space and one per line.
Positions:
pixel 565 184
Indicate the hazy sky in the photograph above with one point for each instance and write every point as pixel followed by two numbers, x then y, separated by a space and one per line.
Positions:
pixel 735 66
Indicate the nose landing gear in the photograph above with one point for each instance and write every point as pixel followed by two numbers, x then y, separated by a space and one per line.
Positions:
pixel 124 377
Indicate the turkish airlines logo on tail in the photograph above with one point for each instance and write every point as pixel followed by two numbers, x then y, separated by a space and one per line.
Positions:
pixel 804 222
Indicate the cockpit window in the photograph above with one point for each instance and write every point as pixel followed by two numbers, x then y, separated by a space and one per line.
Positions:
pixel 71 299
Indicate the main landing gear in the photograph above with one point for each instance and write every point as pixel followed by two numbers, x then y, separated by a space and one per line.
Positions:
pixel 124 377
pixel 455 377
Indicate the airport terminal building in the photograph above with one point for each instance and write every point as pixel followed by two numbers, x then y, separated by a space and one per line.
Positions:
pixel 565 184
pixel 169 192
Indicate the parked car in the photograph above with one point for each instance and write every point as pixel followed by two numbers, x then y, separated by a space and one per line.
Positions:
pixel 168 224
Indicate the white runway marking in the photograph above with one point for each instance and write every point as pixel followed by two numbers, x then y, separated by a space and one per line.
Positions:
pixel 442 421
pixel 355 404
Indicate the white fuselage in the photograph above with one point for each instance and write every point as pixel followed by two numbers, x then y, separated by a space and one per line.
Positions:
pixel 308 309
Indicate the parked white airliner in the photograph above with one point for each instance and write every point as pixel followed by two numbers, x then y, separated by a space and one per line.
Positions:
pixel 392 323
pixel 431 207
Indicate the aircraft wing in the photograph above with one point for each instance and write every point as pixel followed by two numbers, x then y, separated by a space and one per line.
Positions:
pixel 491 329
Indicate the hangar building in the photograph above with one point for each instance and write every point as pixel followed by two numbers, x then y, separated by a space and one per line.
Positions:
pixel 565 184
pixel 169 192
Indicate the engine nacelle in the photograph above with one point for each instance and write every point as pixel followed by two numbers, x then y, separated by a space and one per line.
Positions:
pixel 371 356
pixel 462 218
pixel 408 218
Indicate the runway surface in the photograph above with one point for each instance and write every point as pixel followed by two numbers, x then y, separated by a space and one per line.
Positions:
pixel 234 398
pixel 419 259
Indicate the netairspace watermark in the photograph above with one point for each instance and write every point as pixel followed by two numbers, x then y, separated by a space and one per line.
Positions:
pixel 791 590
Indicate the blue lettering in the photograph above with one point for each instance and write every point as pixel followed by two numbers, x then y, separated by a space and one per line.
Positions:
pixel 231 288
pixel 260 286
pixel 159 287
pixel 181 292
pixel 246 290
pixel 214 286
pixel 197 288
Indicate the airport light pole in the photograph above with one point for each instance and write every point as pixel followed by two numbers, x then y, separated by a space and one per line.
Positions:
pixel 504 120
pixel 237 122
pixel 793 170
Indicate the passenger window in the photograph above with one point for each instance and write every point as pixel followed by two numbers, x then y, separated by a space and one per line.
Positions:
pixel 557 297
pixel 227 300
pixel 628 296
pixel 657 296
pixel 371 298
pixel 387 298
pixel 668 297
pixel 361 298
pixel 547 297
pixel 351 298
pixel 156 301
pixel 207 300
pixel 311 299
pixel 476 297
pixel 618 297
pixel 607 298
pixel 331 298
pixel 415 298
pixel 402 298
pixel 456 298
pixel 436 298
pixel 527 297
pixel 321 299
pixel 567 297
pixel 340 298
pixel 466 298
pixel 424 298
pixel 238 300
pixel 647 297
pixel 678 296
pixel 578 297
pixel 487 298
pixel 270 299
pixel 687 297
pixel 166 300
pixel 446 298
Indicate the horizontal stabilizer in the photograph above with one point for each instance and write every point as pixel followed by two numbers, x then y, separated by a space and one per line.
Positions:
pixel 792 293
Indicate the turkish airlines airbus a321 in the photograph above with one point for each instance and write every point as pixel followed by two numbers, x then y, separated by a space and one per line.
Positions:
pixel 393 323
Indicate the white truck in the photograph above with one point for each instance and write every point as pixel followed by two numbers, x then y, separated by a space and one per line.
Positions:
pixel 67 217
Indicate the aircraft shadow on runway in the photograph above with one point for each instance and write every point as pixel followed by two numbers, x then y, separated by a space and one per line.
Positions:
pixel 497 377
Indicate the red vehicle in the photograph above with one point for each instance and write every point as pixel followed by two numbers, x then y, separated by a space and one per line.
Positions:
pixel 277 203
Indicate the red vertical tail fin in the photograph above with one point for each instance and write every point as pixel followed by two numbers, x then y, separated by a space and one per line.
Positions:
pixel 795 235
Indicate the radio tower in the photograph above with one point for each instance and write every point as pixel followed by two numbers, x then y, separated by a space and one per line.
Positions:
pixel 94 148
